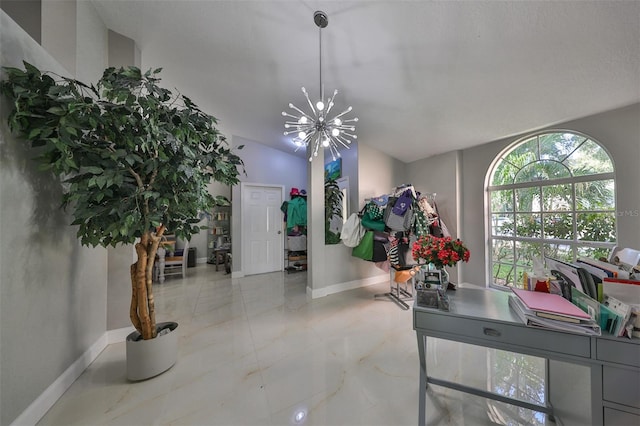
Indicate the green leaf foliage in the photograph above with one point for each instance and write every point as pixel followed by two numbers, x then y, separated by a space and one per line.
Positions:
pixel 134 155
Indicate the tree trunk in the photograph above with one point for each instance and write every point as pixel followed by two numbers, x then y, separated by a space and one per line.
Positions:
pixel 142 308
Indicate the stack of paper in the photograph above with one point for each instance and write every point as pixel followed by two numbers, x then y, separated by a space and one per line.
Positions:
pixel 546 310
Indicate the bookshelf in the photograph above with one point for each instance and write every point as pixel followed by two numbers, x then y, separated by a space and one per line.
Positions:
pixel 219 235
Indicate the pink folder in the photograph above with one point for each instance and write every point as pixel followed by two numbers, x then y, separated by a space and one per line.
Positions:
pixel 551 303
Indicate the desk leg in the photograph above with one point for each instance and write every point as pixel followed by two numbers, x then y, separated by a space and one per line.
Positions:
pixel 422 343
pixel 547 390
pixel 597 410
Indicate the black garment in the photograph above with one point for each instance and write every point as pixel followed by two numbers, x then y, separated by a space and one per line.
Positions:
pixel 379 251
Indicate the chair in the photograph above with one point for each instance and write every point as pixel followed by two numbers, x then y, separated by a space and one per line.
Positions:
pixel 176 265
pixel 400 275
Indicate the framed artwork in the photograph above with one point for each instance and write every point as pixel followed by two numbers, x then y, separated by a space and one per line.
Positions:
pixel 333 170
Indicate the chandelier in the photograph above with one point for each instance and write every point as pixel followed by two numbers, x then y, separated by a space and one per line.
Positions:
pixel 318 128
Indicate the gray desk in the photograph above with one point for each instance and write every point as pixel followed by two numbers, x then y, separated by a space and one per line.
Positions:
pixel 483 317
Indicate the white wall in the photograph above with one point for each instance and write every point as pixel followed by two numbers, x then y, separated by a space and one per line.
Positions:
pixel 52 290
pixel 59 32
pixel 337 270
pixel 439 174
pixel 91 44
pixel 378 173
pixel 26 14
pixel 123 51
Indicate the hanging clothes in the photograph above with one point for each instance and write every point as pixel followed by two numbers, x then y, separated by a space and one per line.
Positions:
pixel 296 212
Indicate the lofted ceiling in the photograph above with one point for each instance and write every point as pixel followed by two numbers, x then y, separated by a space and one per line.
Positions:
pixel 423 77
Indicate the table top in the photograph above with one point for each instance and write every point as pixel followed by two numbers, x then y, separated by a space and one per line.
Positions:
pixel 478 303
pixel 492 305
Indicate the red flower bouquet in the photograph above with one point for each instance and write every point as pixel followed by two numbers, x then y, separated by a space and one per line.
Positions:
pixel 440 252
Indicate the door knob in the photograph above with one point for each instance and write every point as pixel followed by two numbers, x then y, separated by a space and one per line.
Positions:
pixel 279 232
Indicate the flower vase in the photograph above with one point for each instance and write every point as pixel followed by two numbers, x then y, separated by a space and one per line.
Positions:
pixel 431 290
pixel 436 276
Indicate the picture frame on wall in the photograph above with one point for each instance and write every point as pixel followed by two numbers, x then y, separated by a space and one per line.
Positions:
pixel 333 170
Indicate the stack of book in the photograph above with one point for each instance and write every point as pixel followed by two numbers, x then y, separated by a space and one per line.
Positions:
pixel 552 311
pixel 602 269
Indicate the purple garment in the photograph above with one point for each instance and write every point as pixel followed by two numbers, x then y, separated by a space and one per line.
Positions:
pixel 402 204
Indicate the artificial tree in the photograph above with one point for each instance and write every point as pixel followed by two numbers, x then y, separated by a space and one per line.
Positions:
pixel 134 160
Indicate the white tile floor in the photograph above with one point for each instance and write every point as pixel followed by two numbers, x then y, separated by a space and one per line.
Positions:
pixel 256 351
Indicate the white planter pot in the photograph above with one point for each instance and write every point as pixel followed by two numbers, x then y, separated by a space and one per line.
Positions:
pixel 148 358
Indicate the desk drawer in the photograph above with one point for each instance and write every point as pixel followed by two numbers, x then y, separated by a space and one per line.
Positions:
pixel 619 418
pixel 487 331
pixel 621 385
pixel 618 351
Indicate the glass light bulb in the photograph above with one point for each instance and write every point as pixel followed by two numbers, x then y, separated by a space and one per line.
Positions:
pixel 325 142
pixel 335 132
pixel 320 105
pixel 337 122
pixel 286 126
pixel 303 120
pixel 302 135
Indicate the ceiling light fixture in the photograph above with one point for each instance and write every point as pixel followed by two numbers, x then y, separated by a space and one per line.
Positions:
pixel 316 128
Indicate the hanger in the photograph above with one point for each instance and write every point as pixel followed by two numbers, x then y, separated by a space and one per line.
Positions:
pixel 398 190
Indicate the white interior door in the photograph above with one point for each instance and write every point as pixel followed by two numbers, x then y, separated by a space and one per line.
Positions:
pixel 262 220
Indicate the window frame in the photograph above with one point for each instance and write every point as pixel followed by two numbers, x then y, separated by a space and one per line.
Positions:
pixel 574 243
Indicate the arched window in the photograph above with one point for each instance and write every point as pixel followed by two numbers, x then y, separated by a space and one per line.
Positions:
pixel 551 194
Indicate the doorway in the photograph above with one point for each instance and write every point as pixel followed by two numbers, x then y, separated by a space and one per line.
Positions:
pixel 261 222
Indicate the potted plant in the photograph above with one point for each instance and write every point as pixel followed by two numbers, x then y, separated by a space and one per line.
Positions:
pixel 134 160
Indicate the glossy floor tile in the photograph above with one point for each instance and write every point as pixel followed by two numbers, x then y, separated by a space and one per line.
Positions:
pixel 257 351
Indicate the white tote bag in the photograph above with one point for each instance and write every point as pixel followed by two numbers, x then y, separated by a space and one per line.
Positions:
pixel 352 231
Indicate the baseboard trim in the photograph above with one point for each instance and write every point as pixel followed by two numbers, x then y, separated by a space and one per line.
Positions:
pixel 119 335
pixel 38 408
pixel 349 285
